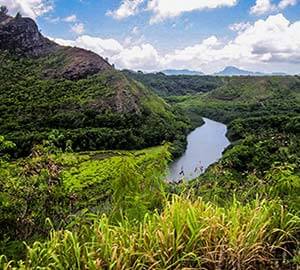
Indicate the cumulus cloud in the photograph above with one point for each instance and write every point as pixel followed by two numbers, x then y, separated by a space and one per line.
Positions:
pixel 127 8
pixel 262 7
pixel 266 6
pixel 104 47
pixel 270 43
pixel 163 9
pixel 143 56
pixel 78 28
pixel 285 3
pixel 28 8
pixel 274 40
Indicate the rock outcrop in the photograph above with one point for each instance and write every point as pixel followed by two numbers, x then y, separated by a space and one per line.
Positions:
pixel 21 37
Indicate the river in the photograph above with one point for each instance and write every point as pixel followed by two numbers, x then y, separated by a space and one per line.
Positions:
pixel 205 147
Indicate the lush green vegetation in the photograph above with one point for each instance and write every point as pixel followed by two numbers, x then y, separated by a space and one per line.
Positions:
pixel 56 185
pixel 262 114
pixel 187 234
pixel 244 97
pixel 111 209
pixel 104 111
pixel 175 85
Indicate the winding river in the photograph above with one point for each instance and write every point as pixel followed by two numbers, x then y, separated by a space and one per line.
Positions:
pixel 205 147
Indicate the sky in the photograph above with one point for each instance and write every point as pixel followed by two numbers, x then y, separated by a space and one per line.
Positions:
pixel 153 35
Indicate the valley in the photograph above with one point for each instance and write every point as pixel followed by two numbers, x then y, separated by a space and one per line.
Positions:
pixel 86 151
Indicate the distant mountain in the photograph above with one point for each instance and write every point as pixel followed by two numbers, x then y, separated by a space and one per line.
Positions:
pixel 234 71
pixel 170 72
pixel 278 74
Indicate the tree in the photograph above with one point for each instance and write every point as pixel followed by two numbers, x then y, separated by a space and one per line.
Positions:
pixel 3 10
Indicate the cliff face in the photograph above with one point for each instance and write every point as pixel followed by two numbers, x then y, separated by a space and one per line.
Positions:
pixel 21 37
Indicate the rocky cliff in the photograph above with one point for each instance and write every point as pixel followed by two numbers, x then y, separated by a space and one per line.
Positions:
pixel 21 37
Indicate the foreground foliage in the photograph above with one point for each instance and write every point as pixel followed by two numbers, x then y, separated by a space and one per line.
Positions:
pixel 60 186
pixel 191 234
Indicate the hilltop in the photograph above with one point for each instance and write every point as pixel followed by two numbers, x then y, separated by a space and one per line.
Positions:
pixel 20 37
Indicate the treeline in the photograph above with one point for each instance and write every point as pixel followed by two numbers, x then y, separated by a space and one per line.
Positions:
pixel 176 85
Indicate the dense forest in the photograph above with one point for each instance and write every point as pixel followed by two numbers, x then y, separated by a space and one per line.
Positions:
pixel 103 111
pixel 177 85
pixel 83 163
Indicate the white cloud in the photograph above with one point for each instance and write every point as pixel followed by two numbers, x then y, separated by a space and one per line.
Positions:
pixel 28 8
pixel 266 6
pixel 274 39
pixel 104 47
pixel 239 27
pixel 273 43
pixel 262 7
pixel 144 57
pixel 127 8
pixel 266 42
pixel 71 18
pixel 78 28
pixel 164 9
pixel 285 3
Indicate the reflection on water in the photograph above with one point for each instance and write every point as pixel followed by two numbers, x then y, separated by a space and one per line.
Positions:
pixel 205 147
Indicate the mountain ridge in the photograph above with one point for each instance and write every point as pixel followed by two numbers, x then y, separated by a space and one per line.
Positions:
pixel 187 72
pixel 21 37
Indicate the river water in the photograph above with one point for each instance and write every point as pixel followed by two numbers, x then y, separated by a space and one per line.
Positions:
pixel 205 147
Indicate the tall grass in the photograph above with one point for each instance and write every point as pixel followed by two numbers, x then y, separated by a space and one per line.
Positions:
pixel 186 235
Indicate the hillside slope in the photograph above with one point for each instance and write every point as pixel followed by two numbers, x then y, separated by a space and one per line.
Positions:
pixel 245 97
pixel 44 86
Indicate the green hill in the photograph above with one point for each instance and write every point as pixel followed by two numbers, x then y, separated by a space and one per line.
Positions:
pixel 45 87
pixel 169 85
pixel 244 97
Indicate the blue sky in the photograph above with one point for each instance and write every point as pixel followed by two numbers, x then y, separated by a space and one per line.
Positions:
pixel 204 35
